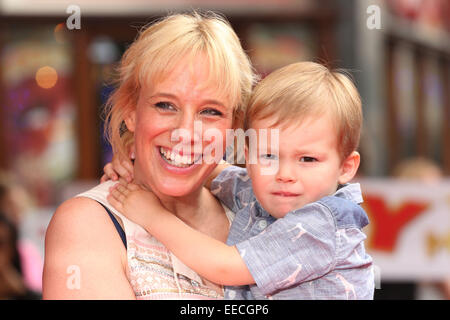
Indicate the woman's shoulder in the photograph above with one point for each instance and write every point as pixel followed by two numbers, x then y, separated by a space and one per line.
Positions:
pixel 77 208
pixel 74 219
pixel 81 217
pixel 80 235
pixel 84 207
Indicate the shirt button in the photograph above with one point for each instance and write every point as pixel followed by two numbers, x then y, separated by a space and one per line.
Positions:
pixel 194 283
pixel 262 224
pixel 231 294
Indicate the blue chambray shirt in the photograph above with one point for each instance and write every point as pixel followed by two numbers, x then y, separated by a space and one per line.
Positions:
pixel 316 252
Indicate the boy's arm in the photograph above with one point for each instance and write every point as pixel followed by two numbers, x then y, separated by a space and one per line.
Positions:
pixel 231 186
pixel 207 256
pixel 210 258
pixel 217 170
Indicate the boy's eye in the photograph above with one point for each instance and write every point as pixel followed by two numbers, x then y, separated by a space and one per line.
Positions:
pixel 211 112
pixel 269 156
pixel 165 106
pixel 308 159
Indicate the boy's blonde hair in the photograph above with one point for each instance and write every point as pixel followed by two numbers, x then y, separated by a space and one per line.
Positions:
pixel 160 48
pixel 304 89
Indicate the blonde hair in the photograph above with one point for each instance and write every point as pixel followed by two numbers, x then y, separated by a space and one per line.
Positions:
pixel 160 47
pixel 304 89
pixel 418 168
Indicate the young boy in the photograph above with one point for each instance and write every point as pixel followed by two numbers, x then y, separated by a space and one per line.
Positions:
pixel 297 231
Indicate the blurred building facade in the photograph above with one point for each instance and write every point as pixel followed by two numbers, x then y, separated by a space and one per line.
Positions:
pixel 57 65
pixel 54 81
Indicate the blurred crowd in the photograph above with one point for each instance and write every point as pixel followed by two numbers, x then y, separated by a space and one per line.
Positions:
pixel 20 260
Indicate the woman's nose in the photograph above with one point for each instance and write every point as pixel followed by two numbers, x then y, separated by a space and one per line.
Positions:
pixel 188 130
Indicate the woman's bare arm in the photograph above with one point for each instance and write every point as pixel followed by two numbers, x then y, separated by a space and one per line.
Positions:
pixel 84 255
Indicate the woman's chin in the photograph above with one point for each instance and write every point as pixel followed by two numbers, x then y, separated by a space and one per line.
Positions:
pixel 177 190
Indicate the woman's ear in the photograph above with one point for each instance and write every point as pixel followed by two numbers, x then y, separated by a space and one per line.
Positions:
pixel 349 167
pixel 130 121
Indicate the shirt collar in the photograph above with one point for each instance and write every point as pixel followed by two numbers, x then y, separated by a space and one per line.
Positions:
pixel 258 209
pixel 350 191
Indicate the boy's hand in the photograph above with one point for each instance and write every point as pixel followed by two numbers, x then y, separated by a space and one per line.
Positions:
pixel 118 168
pixel 134 202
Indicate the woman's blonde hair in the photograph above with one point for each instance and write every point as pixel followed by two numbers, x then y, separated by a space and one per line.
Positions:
pixel 304 89
pixel 160 47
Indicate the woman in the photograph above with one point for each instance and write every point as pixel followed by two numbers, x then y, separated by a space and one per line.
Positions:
pixel 184 74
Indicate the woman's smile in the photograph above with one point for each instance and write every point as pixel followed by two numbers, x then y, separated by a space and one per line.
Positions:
pixel 179 159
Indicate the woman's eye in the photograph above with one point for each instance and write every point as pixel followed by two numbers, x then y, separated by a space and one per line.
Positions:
pixel 165 106
pixel 308 159
pixel 211 112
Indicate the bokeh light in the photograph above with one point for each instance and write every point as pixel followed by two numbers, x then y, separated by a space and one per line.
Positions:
pixel 60 33
pixel 46 77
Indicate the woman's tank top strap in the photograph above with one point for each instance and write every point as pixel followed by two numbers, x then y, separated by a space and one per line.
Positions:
pixel 117 225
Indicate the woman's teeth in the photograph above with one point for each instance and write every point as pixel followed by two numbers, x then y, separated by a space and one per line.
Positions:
pixel 176 159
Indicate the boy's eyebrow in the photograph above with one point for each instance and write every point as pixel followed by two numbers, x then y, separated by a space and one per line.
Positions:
pixel 305 150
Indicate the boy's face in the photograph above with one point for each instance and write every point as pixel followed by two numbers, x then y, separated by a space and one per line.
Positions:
pixel 309 165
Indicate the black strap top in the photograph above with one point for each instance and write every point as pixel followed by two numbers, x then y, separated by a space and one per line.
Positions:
pixel 117 225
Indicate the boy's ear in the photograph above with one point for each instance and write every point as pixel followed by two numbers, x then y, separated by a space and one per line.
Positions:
pixel 130 121
pixel 349 167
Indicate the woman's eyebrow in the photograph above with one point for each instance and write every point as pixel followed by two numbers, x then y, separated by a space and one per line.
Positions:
pixel 172 96
pixel 215 102
pixel 163 94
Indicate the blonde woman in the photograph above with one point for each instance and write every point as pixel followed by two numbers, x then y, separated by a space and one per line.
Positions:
pixel 182 71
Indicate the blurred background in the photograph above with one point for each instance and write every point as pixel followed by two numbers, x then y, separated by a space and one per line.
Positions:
pixel 56 66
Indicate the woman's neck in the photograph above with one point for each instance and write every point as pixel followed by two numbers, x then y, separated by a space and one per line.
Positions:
pixel 201 211
pixel 188 208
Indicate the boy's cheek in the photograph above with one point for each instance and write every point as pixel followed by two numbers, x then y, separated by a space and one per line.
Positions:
pixel 250 170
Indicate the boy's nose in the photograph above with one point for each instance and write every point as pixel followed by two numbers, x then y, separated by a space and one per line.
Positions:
pixel 285 174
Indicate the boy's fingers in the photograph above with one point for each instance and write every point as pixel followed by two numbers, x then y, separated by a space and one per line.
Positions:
pixel 116 204
pixel 123 172
pixel 122 168
pixel 123 182
pixel 133 187
pixel 109 172
pixel 128 166
pixel 118 194
pixel 123 190
pixel 104 178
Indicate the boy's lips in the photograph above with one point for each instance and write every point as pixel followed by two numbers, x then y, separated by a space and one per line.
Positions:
pixel 285 194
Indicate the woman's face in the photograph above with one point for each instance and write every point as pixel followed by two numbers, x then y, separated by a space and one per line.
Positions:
pixel 172 126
